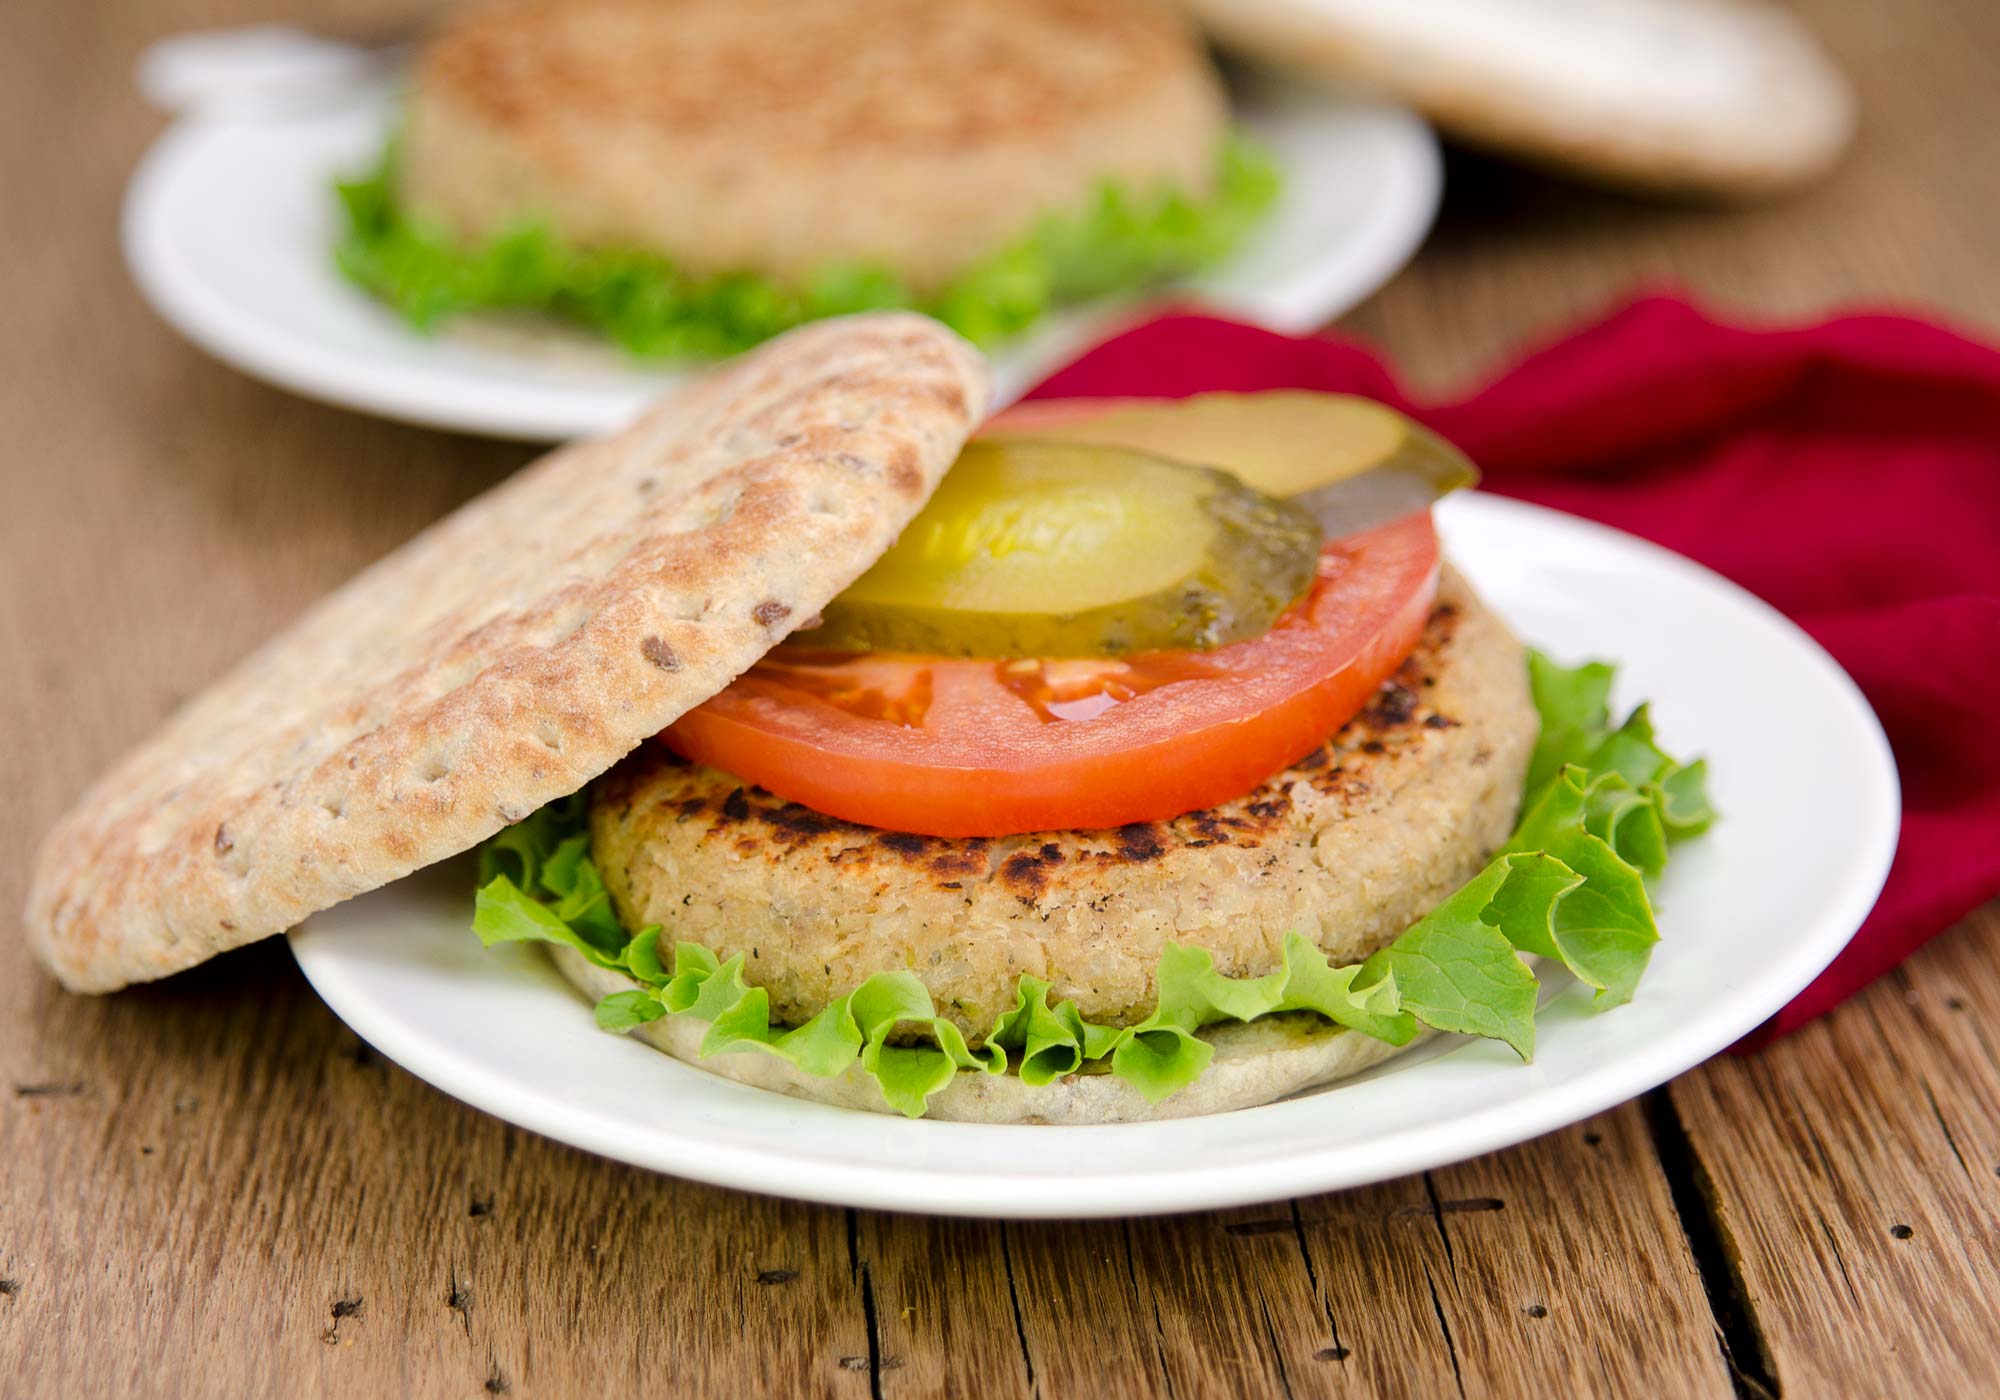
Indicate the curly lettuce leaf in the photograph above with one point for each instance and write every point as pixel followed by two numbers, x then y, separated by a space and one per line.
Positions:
pixel 1456 971
pixel 858 1026
pixel 538 873
pixel 1684 806
pixel 1162 1054
pixel 1600 924
pixel 1048 1042
pixel 1121 240
pixel 1569 886
pixel 503 912
pixel 1575 707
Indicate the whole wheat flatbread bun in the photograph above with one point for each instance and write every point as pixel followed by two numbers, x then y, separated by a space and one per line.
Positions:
pixel 508 654
pixel 1729 97
pixel 1256 1062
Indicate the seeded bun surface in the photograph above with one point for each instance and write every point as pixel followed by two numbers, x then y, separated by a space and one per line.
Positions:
pixel 508 654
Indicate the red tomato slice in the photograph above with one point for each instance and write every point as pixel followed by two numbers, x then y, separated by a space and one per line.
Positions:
pixel 948 747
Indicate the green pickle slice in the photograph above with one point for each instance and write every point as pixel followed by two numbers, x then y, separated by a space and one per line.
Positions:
pixel 1055 549
pixel 1323 448
pixel 1351 461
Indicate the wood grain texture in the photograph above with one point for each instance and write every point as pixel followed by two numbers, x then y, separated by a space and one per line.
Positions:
pixel 1864 1220
pixel 211 1187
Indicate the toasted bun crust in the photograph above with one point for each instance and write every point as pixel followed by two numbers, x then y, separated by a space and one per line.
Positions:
pixel 1728 97
pixel 508 654
pixel 1255 1063
pixel 1350 846
pixel 785 135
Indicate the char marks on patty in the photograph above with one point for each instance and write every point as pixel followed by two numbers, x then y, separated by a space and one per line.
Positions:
pixel 757 823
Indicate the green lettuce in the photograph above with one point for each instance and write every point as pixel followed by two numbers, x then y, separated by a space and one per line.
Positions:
pixel 1121 240
pixel 1604 807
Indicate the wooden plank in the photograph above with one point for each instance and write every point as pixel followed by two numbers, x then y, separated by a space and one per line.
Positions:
pixel 1088 1321
pixel 1854 1170
pixel 1217 1303
pixel 942 1294
pixel 1234 1312
pixel 235 1188
pixel 1561 1259
pixel 1585 1277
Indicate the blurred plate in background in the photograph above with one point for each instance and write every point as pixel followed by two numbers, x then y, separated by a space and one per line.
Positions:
pixel 230 221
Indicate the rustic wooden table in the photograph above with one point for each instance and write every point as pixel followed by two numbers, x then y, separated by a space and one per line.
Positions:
pixel 210 1186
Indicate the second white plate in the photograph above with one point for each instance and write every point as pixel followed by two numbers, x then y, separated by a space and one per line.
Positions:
pixel 1748 915
pixel 230 222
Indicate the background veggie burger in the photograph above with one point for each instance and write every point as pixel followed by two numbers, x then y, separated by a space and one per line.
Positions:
pixel 691 177
pixel 1153 764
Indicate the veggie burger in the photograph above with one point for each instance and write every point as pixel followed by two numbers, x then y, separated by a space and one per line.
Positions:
pixel 688 177
pixel 1104 761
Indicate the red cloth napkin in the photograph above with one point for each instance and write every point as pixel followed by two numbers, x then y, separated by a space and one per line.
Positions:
pixel 1848 473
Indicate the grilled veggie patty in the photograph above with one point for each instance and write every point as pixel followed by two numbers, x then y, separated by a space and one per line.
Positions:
pixel 1350 845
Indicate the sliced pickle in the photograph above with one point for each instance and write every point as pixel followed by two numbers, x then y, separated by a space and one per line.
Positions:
pixel 1351 461
pixel 1070 549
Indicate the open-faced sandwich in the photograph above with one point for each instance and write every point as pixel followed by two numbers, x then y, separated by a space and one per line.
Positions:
pixel 1121 760
pixel 690 177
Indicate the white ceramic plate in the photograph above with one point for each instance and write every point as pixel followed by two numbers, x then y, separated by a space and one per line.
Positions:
pixel 1748 915
pixel 230 219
